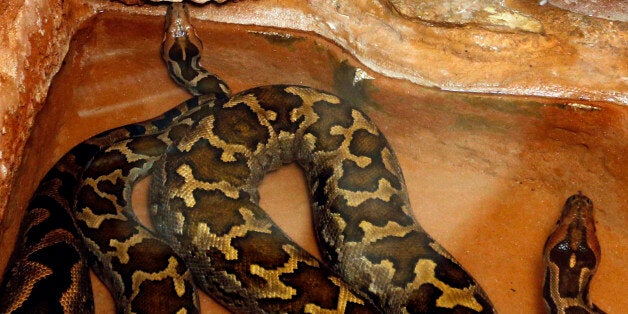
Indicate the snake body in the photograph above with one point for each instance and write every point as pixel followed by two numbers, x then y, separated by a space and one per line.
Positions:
pixel 354 180
pixel 207 156
pixel 48 271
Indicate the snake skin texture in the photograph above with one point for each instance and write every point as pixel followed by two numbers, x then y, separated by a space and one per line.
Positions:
pixel 208 206
pixel 571 256
pixel 207 157
pixel 48 271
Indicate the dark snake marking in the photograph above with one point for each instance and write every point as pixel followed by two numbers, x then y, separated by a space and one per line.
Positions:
pixel 48 271
pixel 571 256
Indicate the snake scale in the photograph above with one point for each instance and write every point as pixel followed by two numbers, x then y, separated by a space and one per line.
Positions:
pixel 571 256
pixel 207 157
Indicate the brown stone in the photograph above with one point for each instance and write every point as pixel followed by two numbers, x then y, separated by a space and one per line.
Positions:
pixel 607 9
pixel 492 14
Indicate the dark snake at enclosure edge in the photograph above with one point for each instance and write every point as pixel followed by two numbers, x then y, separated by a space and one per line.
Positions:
pixel 207 157
pixel 571 256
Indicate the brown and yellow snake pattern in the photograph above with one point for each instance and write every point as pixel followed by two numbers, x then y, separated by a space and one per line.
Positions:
pixel 571 256
pixel 207 156
pixel 48 271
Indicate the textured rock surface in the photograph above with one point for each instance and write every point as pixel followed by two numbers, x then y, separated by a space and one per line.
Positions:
pixel 35 36
pixel 564 60
pixel 487 175
pixel 485 13
pixel 607 9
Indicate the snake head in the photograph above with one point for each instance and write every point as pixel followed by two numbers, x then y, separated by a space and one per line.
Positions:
pixel 571 255
pixel 181 51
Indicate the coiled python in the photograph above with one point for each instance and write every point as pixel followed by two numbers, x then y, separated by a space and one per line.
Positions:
pixel 207 157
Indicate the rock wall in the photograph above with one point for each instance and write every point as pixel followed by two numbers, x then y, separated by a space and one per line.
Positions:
pixel 522 49
pixel 35 36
